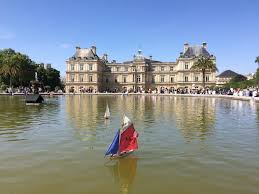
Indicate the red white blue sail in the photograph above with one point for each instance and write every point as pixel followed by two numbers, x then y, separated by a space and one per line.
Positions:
pixel 114 147
pixel 125 141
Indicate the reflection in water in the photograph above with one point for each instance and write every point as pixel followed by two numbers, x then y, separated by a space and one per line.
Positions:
pixel 195 117
pixel 124 171
pixel 83 115
pixel 16 117
pixel 225 162
pixel 107 122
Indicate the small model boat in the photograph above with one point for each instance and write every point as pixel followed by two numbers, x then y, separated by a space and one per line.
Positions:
pixel 107 112
pixel 125 140
pixel 33 99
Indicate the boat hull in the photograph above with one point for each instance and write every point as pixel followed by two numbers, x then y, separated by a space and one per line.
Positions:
pixel 121 155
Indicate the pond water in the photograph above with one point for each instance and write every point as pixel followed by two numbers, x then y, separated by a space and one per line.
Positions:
pixel 187 145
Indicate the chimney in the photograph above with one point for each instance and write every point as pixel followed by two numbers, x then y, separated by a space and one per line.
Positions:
pixel 185 47
pixel 105 57
pixel 93 49
pixel 78 48
pixel 150 57
pixel 204 45
pixel 47 66
pixel 113 61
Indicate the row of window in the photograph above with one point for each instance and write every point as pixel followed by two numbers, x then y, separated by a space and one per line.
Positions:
pixel 138 79
pixel 90 68
pixel 81 78
pixel 81 67
pixel 196 78
pixel 162 68
pixel 186 79
pixel 162 79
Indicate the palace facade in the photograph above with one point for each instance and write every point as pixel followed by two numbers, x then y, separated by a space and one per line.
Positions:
pixel 87 72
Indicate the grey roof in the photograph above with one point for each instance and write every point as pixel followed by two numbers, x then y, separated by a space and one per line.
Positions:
pixel 196 51
pixel 145 60
pixel 84 53
pixel 228 74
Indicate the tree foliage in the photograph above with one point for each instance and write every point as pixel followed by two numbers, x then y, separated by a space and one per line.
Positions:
pixel 257 60
pixel 204 64
pixel 17 69
pixel 49 77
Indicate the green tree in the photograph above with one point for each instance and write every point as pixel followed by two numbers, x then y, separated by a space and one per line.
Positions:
pixel 18 69
pixel 238 78
pixel 15 67
pixel 204 64
pixel 9 64
pixel 257 60
pixel 49 77
pixel 257 76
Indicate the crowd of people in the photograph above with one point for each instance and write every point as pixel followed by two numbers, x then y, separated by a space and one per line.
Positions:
pixel 252 92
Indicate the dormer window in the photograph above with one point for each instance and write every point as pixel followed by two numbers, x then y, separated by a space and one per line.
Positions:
pixel 162 68
pixel 171 68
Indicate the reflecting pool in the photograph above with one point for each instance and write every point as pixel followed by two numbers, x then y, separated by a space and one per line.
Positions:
pixel 187 145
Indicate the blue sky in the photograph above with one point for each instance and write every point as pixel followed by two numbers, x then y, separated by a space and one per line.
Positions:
pixel 48 31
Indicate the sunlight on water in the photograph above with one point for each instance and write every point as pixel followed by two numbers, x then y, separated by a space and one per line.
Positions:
pixel 187 145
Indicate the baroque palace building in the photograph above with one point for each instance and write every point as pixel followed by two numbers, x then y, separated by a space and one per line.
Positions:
pixel 87 72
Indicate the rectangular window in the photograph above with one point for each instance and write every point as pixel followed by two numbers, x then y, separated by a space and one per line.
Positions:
pixel 81 78
pixel 118 68
pixel 186 78
pixel 90 78
pixel 153 78
pixel 90 67
pixel 196 79
pixel 162 68
pixel 172 79
pixel 126 69
pixel 207 78
pixel 116 79
pixel 81 67
pixel 138 79
pixel 171 68
pixel 72 67
pixel 186 66
pixel 162 78
pixel 72 78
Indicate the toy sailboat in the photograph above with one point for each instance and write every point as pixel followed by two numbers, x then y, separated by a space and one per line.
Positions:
pixel 125 140
pixel 107 112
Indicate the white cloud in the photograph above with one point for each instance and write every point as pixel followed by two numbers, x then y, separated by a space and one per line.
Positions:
pixel 64 45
